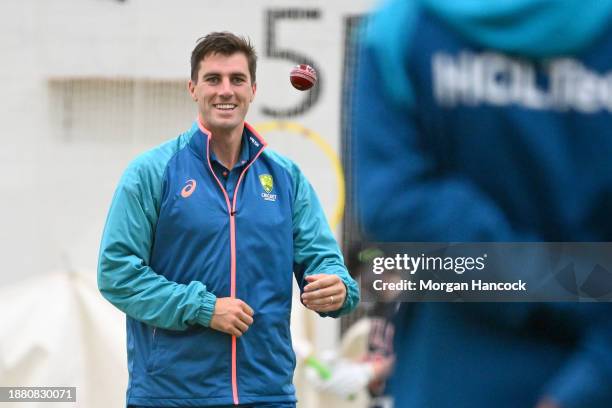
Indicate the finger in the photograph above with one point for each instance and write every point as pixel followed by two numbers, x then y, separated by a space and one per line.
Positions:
pixel 321 281
pixel 240 325
pixel 245 318
pixel 326 300
pixel 335 290
pixel 313 277
pixel 312 282
pixel 317 276
pixel 247 309
pixel 322 293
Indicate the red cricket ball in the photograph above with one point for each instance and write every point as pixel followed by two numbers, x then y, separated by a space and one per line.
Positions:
pixel 303 77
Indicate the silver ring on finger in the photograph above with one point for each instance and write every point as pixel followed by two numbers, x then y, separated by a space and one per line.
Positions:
pixel 331 299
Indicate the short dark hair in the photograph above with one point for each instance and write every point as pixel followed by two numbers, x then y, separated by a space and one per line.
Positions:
pixel 224 43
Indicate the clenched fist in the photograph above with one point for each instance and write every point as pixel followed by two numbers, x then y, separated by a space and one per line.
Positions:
pixel 231 316
pixel 324 293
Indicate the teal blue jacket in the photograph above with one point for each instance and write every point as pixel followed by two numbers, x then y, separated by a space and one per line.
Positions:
pixel 178 236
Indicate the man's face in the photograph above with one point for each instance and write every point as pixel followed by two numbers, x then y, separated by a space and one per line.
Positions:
pixel 223 91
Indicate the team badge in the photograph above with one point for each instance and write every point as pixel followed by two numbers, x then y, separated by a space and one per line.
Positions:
pixel 267 182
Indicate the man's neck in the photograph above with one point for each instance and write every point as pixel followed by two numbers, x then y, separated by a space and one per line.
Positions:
pixel 226 146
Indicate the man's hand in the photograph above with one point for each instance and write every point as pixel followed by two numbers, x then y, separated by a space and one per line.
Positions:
pixel 231 316
pixel 324 293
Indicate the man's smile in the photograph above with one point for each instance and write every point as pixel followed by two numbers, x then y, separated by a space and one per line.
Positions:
pixel 225 106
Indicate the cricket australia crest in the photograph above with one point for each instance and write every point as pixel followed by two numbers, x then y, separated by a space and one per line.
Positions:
pixel 267 182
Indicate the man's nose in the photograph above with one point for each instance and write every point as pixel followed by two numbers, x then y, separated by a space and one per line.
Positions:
pixel 226 88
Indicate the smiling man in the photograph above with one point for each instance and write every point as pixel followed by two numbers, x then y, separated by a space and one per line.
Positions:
pixel 201 242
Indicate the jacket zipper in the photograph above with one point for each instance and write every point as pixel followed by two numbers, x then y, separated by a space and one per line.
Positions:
pixel 231 209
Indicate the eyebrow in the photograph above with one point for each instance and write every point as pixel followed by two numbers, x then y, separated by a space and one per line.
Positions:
pixel 232 74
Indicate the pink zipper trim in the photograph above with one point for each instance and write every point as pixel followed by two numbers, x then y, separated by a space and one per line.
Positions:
pixel 227 201
pixel 240 178
pixel 232 211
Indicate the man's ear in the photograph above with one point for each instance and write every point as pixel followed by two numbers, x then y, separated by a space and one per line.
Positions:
pixel 254 88
pixel 191 89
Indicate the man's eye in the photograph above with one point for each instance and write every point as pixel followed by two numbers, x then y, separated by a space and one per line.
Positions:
pixel 212 80
pixel 238 80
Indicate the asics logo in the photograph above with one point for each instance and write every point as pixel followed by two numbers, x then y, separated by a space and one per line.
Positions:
pixel 189 188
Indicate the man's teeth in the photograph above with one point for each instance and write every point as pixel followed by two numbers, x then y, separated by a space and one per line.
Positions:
pixel 225 106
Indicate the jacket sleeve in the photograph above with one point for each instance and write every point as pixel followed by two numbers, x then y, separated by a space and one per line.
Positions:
pixel 315 248
pixel 125 278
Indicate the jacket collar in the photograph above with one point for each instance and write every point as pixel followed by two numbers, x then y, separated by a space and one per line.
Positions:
pixel 200 136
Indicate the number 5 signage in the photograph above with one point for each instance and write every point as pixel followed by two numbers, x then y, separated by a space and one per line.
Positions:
pixel 274 51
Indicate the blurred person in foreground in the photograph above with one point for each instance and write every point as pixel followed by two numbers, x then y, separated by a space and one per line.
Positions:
pixel 201 241
pixel 490 121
